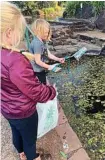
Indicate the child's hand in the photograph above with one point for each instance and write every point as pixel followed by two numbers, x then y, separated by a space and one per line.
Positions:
pixel 61 60
pixel 54 67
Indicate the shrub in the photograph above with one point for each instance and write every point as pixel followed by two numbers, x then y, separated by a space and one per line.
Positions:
pixel 49 12
pixel 98 6
pixel 71 6
pixel 58 8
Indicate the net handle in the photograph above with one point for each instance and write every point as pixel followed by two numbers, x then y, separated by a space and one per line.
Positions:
pixel 27 36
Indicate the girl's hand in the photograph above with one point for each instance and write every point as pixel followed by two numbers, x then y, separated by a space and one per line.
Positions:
pixel 51 67
pixel 61 60
pixel 54 67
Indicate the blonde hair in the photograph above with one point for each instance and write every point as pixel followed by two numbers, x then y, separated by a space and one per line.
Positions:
pixel 39 26
pixel 12 17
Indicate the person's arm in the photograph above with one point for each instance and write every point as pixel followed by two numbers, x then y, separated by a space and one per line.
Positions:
pixel 44 65
pixel 51 56
pixel 39 61
pixel 22 75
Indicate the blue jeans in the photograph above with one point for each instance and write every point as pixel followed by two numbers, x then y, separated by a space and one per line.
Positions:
pixel 24 134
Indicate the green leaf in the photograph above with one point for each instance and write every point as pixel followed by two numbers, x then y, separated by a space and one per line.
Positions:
pixel 63 154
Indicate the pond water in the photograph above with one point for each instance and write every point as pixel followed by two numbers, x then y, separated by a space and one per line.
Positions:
pixel 81 87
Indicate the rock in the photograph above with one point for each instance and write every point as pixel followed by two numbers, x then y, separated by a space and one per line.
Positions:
pixel 88 46
pixel 54 35
pixel 74 41
pixel 98 42
pixel 100 22
pixel 86 12
pixel 64 14
pixel 56 43
pixel 103 31
pixel 103 50
pixel 61 32
pixel 64 50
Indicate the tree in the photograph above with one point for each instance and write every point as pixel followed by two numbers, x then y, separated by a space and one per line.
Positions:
pixel 29 7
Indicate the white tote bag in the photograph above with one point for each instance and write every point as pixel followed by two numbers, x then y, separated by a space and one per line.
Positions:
pixel 47 116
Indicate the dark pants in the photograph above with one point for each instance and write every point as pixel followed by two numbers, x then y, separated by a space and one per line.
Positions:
pixel 24 133
pixel 41 76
